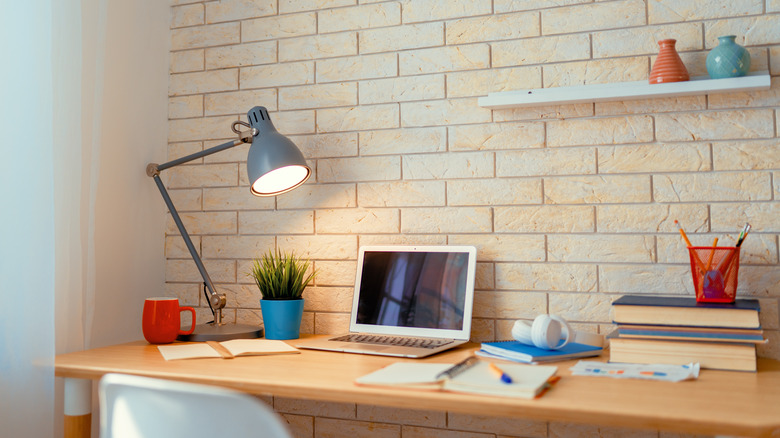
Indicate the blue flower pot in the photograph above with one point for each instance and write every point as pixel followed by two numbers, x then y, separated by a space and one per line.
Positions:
pixel 728 59
pixel 282 318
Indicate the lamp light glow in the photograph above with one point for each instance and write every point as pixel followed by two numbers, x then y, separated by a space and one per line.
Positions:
pixel 280 180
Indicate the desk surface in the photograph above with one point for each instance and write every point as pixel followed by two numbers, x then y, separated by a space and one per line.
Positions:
pixel 719 402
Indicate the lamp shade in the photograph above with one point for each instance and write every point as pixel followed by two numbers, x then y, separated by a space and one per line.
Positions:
pixel 274 164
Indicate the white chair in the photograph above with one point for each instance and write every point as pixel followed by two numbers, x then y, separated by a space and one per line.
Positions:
pixel 143 407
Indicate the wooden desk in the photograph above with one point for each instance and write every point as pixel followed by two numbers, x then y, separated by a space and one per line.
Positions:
pixel 718 403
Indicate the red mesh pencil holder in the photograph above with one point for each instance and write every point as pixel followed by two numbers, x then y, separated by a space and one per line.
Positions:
pixel 714 271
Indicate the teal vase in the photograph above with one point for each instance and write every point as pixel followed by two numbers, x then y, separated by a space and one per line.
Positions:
pixel 728 59
pixel 282 318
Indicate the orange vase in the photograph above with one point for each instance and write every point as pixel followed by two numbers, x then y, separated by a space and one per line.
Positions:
pixel 668 66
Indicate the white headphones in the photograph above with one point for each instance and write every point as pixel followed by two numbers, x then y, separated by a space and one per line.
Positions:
pixel 546 332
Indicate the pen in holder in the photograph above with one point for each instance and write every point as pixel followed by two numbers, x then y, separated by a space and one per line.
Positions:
pixel 715 282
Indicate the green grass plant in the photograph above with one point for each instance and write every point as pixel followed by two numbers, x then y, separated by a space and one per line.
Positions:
pixel 280 275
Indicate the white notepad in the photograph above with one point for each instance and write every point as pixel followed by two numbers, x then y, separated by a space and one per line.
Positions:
pixel 236 347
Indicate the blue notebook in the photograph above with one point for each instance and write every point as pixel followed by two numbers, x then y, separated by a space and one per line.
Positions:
pixel 515 351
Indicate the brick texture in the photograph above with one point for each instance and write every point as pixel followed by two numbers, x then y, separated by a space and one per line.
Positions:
pixel 570 206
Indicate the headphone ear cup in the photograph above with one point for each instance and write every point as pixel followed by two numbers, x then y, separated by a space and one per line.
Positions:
pixel 546 332
pixel 541 332
pixel 564 332
pixel 521 332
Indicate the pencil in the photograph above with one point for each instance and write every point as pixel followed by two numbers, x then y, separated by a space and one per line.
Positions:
pixel 696 258
pixel 712 254
pixel 682 233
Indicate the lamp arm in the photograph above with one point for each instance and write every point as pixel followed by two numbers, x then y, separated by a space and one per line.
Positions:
pixel 245 137
pixel 217 301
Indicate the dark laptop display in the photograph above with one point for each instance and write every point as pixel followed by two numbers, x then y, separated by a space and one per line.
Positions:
pixel 413 289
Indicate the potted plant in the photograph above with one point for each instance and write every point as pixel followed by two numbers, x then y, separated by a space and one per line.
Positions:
pixel 281 278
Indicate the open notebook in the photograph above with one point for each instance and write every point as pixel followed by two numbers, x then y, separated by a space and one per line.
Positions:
pixel 409 301
pixel 472 376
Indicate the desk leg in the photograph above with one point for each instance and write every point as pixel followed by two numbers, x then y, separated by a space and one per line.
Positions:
pixel 78 408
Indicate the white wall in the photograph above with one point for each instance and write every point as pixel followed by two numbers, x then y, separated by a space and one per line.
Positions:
pixel 129 212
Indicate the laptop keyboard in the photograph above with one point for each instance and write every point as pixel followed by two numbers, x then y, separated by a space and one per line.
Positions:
pixel 400 341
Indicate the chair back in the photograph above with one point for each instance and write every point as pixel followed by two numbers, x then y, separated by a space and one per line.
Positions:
pixel 143 407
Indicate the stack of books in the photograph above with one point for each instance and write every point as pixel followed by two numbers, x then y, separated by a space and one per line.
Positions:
pixel 680 330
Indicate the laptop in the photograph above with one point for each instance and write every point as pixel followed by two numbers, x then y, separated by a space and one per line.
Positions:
pixel 409 301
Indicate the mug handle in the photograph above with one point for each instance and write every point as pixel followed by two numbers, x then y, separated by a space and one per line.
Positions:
pixel 192 329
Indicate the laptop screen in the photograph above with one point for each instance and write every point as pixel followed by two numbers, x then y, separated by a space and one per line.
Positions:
pixel 415 290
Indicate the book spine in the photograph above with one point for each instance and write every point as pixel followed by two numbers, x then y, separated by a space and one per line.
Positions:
pixel 737 357
pixel 503 352
pixel 692 336
pixel 681 316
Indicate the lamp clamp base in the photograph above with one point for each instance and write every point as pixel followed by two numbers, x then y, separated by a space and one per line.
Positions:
pixel 218 301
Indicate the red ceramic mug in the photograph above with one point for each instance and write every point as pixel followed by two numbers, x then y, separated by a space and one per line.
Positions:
pixel 161 320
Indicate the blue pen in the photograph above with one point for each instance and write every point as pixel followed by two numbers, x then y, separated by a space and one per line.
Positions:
pixel 501 374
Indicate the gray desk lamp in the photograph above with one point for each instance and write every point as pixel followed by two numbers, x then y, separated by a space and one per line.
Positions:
pixel 275 166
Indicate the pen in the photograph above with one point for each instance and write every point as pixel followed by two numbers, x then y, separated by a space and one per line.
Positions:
pixel 743 234
pixel 501 374
pixel 727 260
pixel 458 368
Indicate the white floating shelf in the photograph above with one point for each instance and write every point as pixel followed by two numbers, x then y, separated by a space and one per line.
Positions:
pixel 623 91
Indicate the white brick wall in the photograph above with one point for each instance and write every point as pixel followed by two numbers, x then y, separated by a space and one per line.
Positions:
pixel 570 206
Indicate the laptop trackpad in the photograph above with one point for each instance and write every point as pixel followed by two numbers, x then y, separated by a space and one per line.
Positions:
pixel 367 347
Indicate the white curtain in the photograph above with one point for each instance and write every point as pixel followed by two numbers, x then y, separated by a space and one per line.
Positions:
pixel 27 261
pixel 83 109
pixel 77 161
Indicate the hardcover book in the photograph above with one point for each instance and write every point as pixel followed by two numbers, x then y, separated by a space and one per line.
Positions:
pixel 721 355
pixel 683 333
pixel 685 311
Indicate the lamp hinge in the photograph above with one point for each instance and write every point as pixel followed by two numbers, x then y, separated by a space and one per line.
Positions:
pixel 151 170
